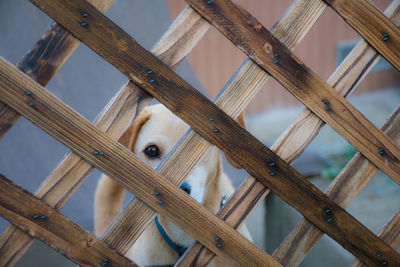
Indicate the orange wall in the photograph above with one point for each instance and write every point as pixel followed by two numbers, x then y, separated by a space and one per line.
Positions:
pixel 215 59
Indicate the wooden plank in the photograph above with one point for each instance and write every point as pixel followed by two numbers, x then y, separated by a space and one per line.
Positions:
pixel 343 190
pixel 43 60
pixel 390 233
pixel 241 88
pixel 267 51
pixel 74 131
pixel 296 138
pixel 41 221
pixel 134 61
pixel 372 25
pixel 72 171
pixel 117 116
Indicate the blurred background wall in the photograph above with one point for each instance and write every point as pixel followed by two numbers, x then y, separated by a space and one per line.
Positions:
pixel 86 82
pixel 215 59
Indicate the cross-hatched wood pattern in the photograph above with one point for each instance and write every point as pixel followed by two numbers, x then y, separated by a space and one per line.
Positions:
pixel 269 55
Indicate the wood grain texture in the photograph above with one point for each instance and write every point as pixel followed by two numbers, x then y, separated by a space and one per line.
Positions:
pixel 290 29
pixel 134 61
pixel 116 116
pixel 342 190
pixel 390 233
pixel 372 25
pixel 72 171
pixel 239 91
pixel 43 60
pixel 74 131
pixel 306 126
pixel 24 210
pixel 267 51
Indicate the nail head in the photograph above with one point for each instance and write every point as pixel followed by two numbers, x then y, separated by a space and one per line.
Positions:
pixel 327 210
pixel 272 173
pixel 219 245
pixel 329 220
pixel 150 72
pixel 216 131
pixel 31 104
pixel 384 262
pixel 85 14
pixel 105 262
pixel 84 24
pixel 160 202
pixel 28 93
pixel 157 193
pixel 276 61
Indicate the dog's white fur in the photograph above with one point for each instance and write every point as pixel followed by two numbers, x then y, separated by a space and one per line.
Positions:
pixel 156 125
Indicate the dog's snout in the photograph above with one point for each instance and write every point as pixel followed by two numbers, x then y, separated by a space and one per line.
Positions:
pixel 186 187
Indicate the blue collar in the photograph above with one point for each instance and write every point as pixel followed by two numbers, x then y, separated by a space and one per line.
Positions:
pixel 177 248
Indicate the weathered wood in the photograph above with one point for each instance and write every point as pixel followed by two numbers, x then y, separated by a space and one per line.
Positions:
pixel 235 212
pixel 134 61
pixel 390 233
pixel 267 51
pixel 342 190
pixel 296 138
pixel 74 131
pixel 243 86
pixel 117 115
pixel 372 25
pixel 45 59
pixel 41 221
pixel 73 170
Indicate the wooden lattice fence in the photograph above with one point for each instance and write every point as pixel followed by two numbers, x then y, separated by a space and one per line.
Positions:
pixel 150 74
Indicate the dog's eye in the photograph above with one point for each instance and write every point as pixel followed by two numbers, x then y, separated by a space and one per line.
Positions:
pixel 152 151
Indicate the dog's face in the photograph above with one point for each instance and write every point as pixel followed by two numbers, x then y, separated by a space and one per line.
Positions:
pixel 154 134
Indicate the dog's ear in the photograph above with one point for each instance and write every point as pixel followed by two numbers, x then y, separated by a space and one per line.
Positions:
pixel 129 137
pixel 241 121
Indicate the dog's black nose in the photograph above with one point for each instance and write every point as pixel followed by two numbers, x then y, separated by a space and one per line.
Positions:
pixel 186 187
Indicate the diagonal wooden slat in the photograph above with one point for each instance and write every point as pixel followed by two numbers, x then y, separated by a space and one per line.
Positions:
pixel 241 88
pixel 72 171
pixel 131 59
pixel 43 222
pixel 267 51
pixel 45 59
pixel 343 190
pixel 295 139
pixel 74 131
pixel 390 233
pixel 372 25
